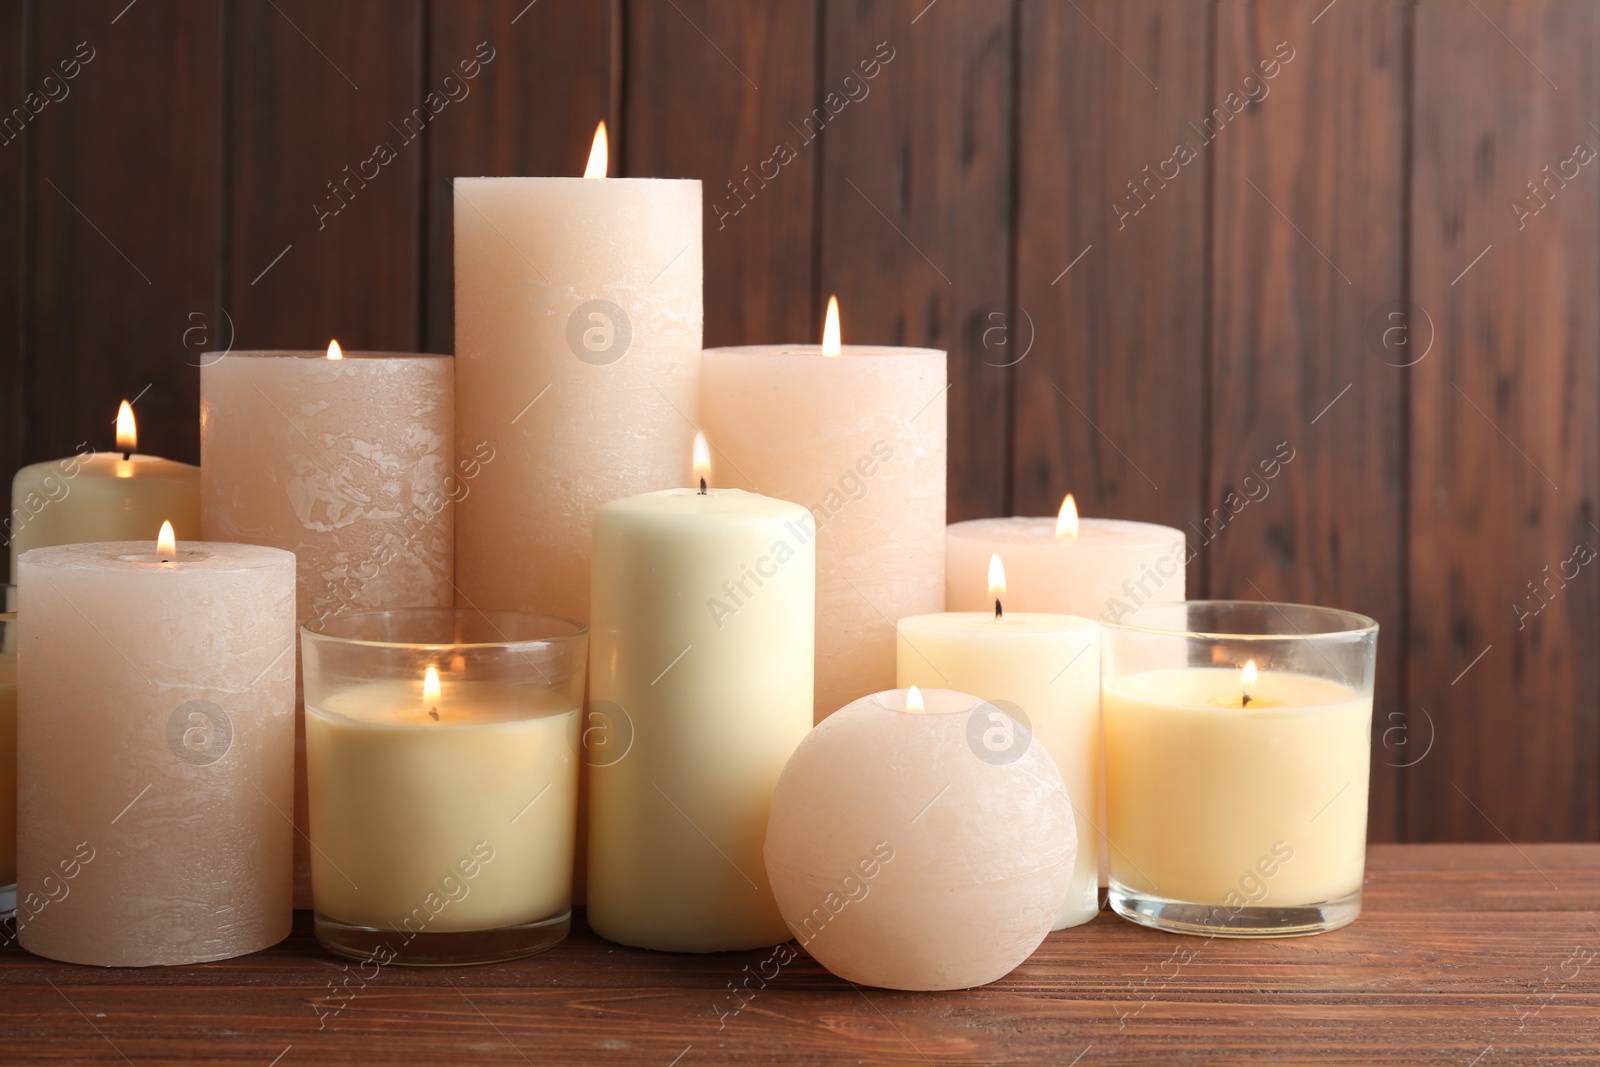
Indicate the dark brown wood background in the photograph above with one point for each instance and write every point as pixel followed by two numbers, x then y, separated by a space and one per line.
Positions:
pixel 980 197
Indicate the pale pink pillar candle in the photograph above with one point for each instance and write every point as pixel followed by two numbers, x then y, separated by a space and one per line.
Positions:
pixel 578 318
pixel 1094 568
pixel 347 463
pixel 859 439
pixel 155 737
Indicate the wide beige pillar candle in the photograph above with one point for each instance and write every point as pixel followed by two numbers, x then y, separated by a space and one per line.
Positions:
pixel 1042 672
pixel 347 463
pixel 155 733
pixel 578 320
pixel 859 439
pixel 101 496
pixel 1093 568
pixel 701 653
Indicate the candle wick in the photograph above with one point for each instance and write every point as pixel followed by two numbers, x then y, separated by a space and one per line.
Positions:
pixel 433 713
pixel 1244 700
pixel 998 611
pixel 128 455
pixel 702 487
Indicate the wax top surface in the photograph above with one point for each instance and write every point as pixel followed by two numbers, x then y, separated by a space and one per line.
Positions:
pixel 815 351
pixel 690 503
pixel 110 463
pixel 399 704
pixel 1025 530
pixel 193 557
pixel 1021 623
pixel 1201 689
pixel 217 358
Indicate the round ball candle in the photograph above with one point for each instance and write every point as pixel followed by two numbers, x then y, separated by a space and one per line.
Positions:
pixel 1201 786
pixel 578 319
pixel 857 434
pixel 102 496
pixel 1043 671
pixel 155 735
pixel 344 459
pixel 703 616
pixel 1093 568
pixel 903 857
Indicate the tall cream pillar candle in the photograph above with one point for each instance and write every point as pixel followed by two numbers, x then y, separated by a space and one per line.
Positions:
pixel 1042 671
pixel 344 459
pixel 701 646
pixel 859 439
pixel 101 496
pixel 155 732
pixel 578 321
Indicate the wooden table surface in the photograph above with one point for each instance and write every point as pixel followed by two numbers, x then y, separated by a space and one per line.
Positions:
pixel 1465 954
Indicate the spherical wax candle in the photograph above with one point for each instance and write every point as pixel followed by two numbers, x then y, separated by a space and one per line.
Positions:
pixel 902 857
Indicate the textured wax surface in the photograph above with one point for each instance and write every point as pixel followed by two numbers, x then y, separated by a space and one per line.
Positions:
pixel 347 464
pixel 980 853
pixel 572 427
pixel 155 732
pixel 859 439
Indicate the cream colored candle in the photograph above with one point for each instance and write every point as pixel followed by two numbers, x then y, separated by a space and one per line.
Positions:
pixel 102 496
pixel 703 611
pixel 859 439
pixel 399 800
pixel 1045 672
pixel 155 734
pixel 347 463
pixel 1210 800
pixel 578 316
pixel 1103 569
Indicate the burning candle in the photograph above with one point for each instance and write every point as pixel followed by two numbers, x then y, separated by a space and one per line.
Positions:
pixel 857 434
pixel 578 317
pixel 101 496
pixel 442 751
pixel 1041 673
pixel 703 615
pixel 155 742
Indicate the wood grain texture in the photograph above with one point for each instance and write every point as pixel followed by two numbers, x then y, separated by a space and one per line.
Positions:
pixel 531 110
pixel 1308 265
pixel 124 252
pixel 1110 404
pixel 713 89
pixel 1460 949
pixel 13 252
pixel 329 116
pixel 916 206
pixel 1505 433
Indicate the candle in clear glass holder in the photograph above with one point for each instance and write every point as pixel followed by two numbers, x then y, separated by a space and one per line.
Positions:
pixel 1237 740
pixel 442 756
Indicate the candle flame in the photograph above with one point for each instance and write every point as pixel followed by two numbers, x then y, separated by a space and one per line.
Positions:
pixel 1067 519
pixel 830 329
pixel 430 685
pixel 997 581
pixel 702 460
pixel 1247 681
pixel 914 703
pixel 598 153
pixel 127 429
pixel 166 543
pixel 334 351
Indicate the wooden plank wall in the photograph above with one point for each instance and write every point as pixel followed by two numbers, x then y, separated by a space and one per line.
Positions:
pixel 1163 240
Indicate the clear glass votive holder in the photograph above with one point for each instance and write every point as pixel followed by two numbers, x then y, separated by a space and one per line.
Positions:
pixel 1237 742
pixel 442 760
pixel 8 752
